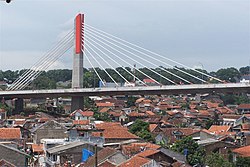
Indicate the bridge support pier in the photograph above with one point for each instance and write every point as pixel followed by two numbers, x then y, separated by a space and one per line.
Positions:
pixel 18 106
pixel 77 72
pixel 77 102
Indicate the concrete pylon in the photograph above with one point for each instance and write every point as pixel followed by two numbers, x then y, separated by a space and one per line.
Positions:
pixel 77 73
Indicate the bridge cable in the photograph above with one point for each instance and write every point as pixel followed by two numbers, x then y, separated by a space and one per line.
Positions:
pixel 34 68
pixel 129 64
pixel 85 55
pixel 101 66
pixel 27 72
pixel 111 58
pixel 155 53
pixel 86 44
pixel 158 66
pixel 47 63
pixel 64 50
pixel 157 60
pixel 136 60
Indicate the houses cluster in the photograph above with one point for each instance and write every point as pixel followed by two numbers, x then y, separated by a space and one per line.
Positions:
pixel 100 136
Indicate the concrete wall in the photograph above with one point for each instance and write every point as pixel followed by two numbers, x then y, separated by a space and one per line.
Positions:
pixel 13 157
pixel 49 134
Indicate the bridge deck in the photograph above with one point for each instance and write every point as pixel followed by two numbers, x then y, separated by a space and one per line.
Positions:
pixel 149 90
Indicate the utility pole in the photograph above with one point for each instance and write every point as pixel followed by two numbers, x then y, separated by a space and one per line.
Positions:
pixel 96 162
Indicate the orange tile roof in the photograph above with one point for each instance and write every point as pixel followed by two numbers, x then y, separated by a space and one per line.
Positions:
pixel 246 126
pixel 148 80
pixel 225 110
pixel 204 113
pixel 244 106
pixel 87 113
pixel 136 114
pixel 105 109
pixel 152 127
pixel 134 148
pixel 243 151
pixel 105 104
pixel 38 148
pixel 113 130
pixel 139 100
pixel 107 163
pixel 150 113
pixel 135 161
pixel 211 104
pixel 147 153
pixel 146 145
pixel 81 122
pixel 219 129
pixel 10 133
pixel 19 122
pixel 115 114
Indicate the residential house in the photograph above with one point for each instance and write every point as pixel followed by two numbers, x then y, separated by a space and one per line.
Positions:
pixel 10 134
pixel 139 162
pixel 134 115
pixel 113 132
pixel 216 146
pixel 243 109
pixel 101 105
pixel 163 157
pixel 117 104
pixel 69 152
pixel 82 115
pixel 155 128
pixel 220 129
pixel 14 156
pixel 170 135
pixel 241 152
pixel 134 148
pixel 48 130
pixel 110 155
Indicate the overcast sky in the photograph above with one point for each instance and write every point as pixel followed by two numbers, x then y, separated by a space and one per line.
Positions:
pixel 210 33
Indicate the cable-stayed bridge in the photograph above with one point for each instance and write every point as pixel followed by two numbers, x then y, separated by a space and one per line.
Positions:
pixel 101 50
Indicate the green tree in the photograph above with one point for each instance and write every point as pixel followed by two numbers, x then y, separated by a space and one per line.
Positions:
pixel 245 70
pixel 102 117
pixel 217 160
pixel 228 74
pixel 43 82
pixel 141 129
pixel 195 152
pixel 243 162
pixel 131 101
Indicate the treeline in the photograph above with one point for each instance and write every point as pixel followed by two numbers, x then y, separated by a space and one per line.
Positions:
pixel 48 79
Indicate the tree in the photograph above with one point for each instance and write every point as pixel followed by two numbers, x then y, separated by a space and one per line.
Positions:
pixel 131 101
pixel 141 129
pixel 228 74
pixel 43 82
pixel 215 160
pixel 195 152
pixel 245 70
pixel 102 117
pixel 243 162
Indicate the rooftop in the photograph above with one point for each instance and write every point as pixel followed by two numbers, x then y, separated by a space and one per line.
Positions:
pixel 243 151
pixel 10 133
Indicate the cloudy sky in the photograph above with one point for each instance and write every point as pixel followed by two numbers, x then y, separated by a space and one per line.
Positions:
pixel 210 33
